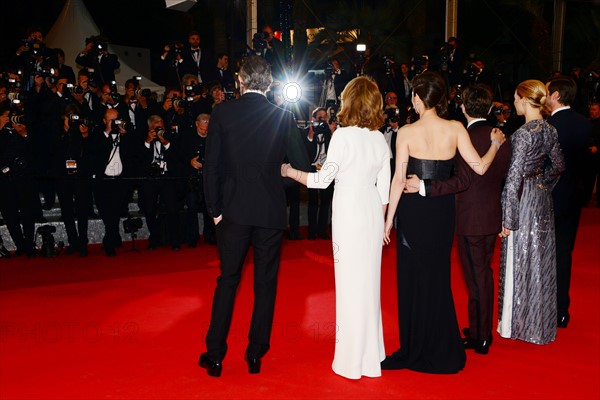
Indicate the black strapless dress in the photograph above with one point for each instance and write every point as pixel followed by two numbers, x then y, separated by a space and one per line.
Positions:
pixel 429 334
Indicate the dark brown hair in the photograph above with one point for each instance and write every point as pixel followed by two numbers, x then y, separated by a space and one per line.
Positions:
pixel 431 88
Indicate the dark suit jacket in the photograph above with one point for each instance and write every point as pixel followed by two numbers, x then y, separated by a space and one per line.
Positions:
pixel 312 146
pixel 574 133
pixel 247 143
pixel 478 208
pixel 206 67
pixel 104 71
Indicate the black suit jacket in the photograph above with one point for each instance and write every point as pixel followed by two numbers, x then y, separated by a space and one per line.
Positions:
pixel 574 134
pixel 104 71
pixel 247 143
pixel 478 207
pixel 206 67
pixel 312 146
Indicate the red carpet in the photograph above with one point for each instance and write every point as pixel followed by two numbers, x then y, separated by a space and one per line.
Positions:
pixel 133 327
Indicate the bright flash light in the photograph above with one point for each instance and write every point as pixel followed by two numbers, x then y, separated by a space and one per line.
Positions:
pixel 292 92
pixel 361 47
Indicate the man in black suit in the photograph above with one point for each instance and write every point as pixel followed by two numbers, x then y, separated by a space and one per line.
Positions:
pixel 245 195
pixel 478 216
pixel 316 140
pixel 197 61
pixel 574 133
pixel 95 57
pixel 113 158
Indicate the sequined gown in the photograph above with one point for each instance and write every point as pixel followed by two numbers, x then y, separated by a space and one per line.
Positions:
pixel 527 289
pixel 429 335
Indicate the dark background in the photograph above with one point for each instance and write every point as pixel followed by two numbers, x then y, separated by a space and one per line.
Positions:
pixel 512 37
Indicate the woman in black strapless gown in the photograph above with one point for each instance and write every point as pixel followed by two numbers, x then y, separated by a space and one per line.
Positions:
pixel 429 334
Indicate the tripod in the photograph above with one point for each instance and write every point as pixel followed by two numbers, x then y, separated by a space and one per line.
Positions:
pixel 133 237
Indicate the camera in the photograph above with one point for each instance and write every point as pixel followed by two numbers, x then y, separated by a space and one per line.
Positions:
pixel 77 120
pixel 48 242
pixel 320 127
pixel 17 119
pixel 143 92
pixel 156 169
pixel 180 102
pixel 99 43
pixel 392 114
pixel 128 126
pixel 192 90
pixel 132 225
pixel 388 63
pixel 259 42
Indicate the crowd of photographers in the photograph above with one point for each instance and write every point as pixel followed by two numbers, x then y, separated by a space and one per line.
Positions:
pixel 76 138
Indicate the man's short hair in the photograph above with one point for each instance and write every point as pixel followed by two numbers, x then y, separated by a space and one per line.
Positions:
pixel 255 72
pixel 193 33
pixel 316 110
pixel 566 88
pixel 152 119
pixel 477 100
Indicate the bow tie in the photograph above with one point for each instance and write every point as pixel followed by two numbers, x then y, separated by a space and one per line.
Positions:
pixel 196 51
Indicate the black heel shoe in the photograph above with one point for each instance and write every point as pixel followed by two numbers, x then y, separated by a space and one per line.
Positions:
pixel 253 364
pixel 213 368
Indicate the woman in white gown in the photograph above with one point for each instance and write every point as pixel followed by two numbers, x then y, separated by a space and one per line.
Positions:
pixel 358 160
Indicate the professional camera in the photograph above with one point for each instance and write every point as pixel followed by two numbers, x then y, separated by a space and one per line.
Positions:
pixel 459 96
pixel 48 242
pixel 128 126
pixel 156 169
pixel 14 84
pixel 181 102
pixel 259 42
pixel 193 90
pixel 100 43
pixel 143 92
pixel 444 56
pixel 229 95
pixel 320 127
pixel 132 225
pixel 77 120
pixel 419 63
pixel 392 114
pixel 16 119
pixel 388 64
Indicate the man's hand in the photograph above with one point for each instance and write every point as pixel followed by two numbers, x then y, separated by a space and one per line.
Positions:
pixel 412 184
pixel 84 130
pixel 151 136
pixel 505 232
pixel 21 130
pixel 218 219
pixel 195 163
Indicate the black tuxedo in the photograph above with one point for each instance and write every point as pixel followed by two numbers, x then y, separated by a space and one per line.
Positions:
pixel 111 191
pixel 574 133
pixel 204 69
pixel 478 221
pixel 243 184
pixel 225 77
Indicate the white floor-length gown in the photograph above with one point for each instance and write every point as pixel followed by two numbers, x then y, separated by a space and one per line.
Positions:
pixel 359 162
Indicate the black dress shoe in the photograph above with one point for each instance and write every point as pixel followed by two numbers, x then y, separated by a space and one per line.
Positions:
pixel 253 364
pixel 83 251
pixel 294 235
pixel 70 250
pixel 110 252
pixel 213 368
pixel 480 346
pixel 324 236
pixel 312 236
pixel 563 321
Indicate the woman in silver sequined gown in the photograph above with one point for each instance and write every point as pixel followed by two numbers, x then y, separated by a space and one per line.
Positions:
pixel 527 290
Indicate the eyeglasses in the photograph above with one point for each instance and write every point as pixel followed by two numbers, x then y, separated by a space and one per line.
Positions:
pixel 391 98
pixel 203 121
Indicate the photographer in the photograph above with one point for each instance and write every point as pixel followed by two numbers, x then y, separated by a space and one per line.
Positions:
pixel 272 50
pixel 31 56
pixel 71 167
pixel 114 158
pixel 96 58
pixel 335 81
pixel 500 116
pixel 223 73
pixel 160 162
pixel 17 201
pixel 317 138
pixel 395 118
pixel 193 150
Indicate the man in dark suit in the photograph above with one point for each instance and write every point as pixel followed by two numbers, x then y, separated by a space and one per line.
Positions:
pixel 574 133
pixel 113 158
pixel 316 140
pixel 95 56
pixel 245 195
pixel 197 61
pixel 478 216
